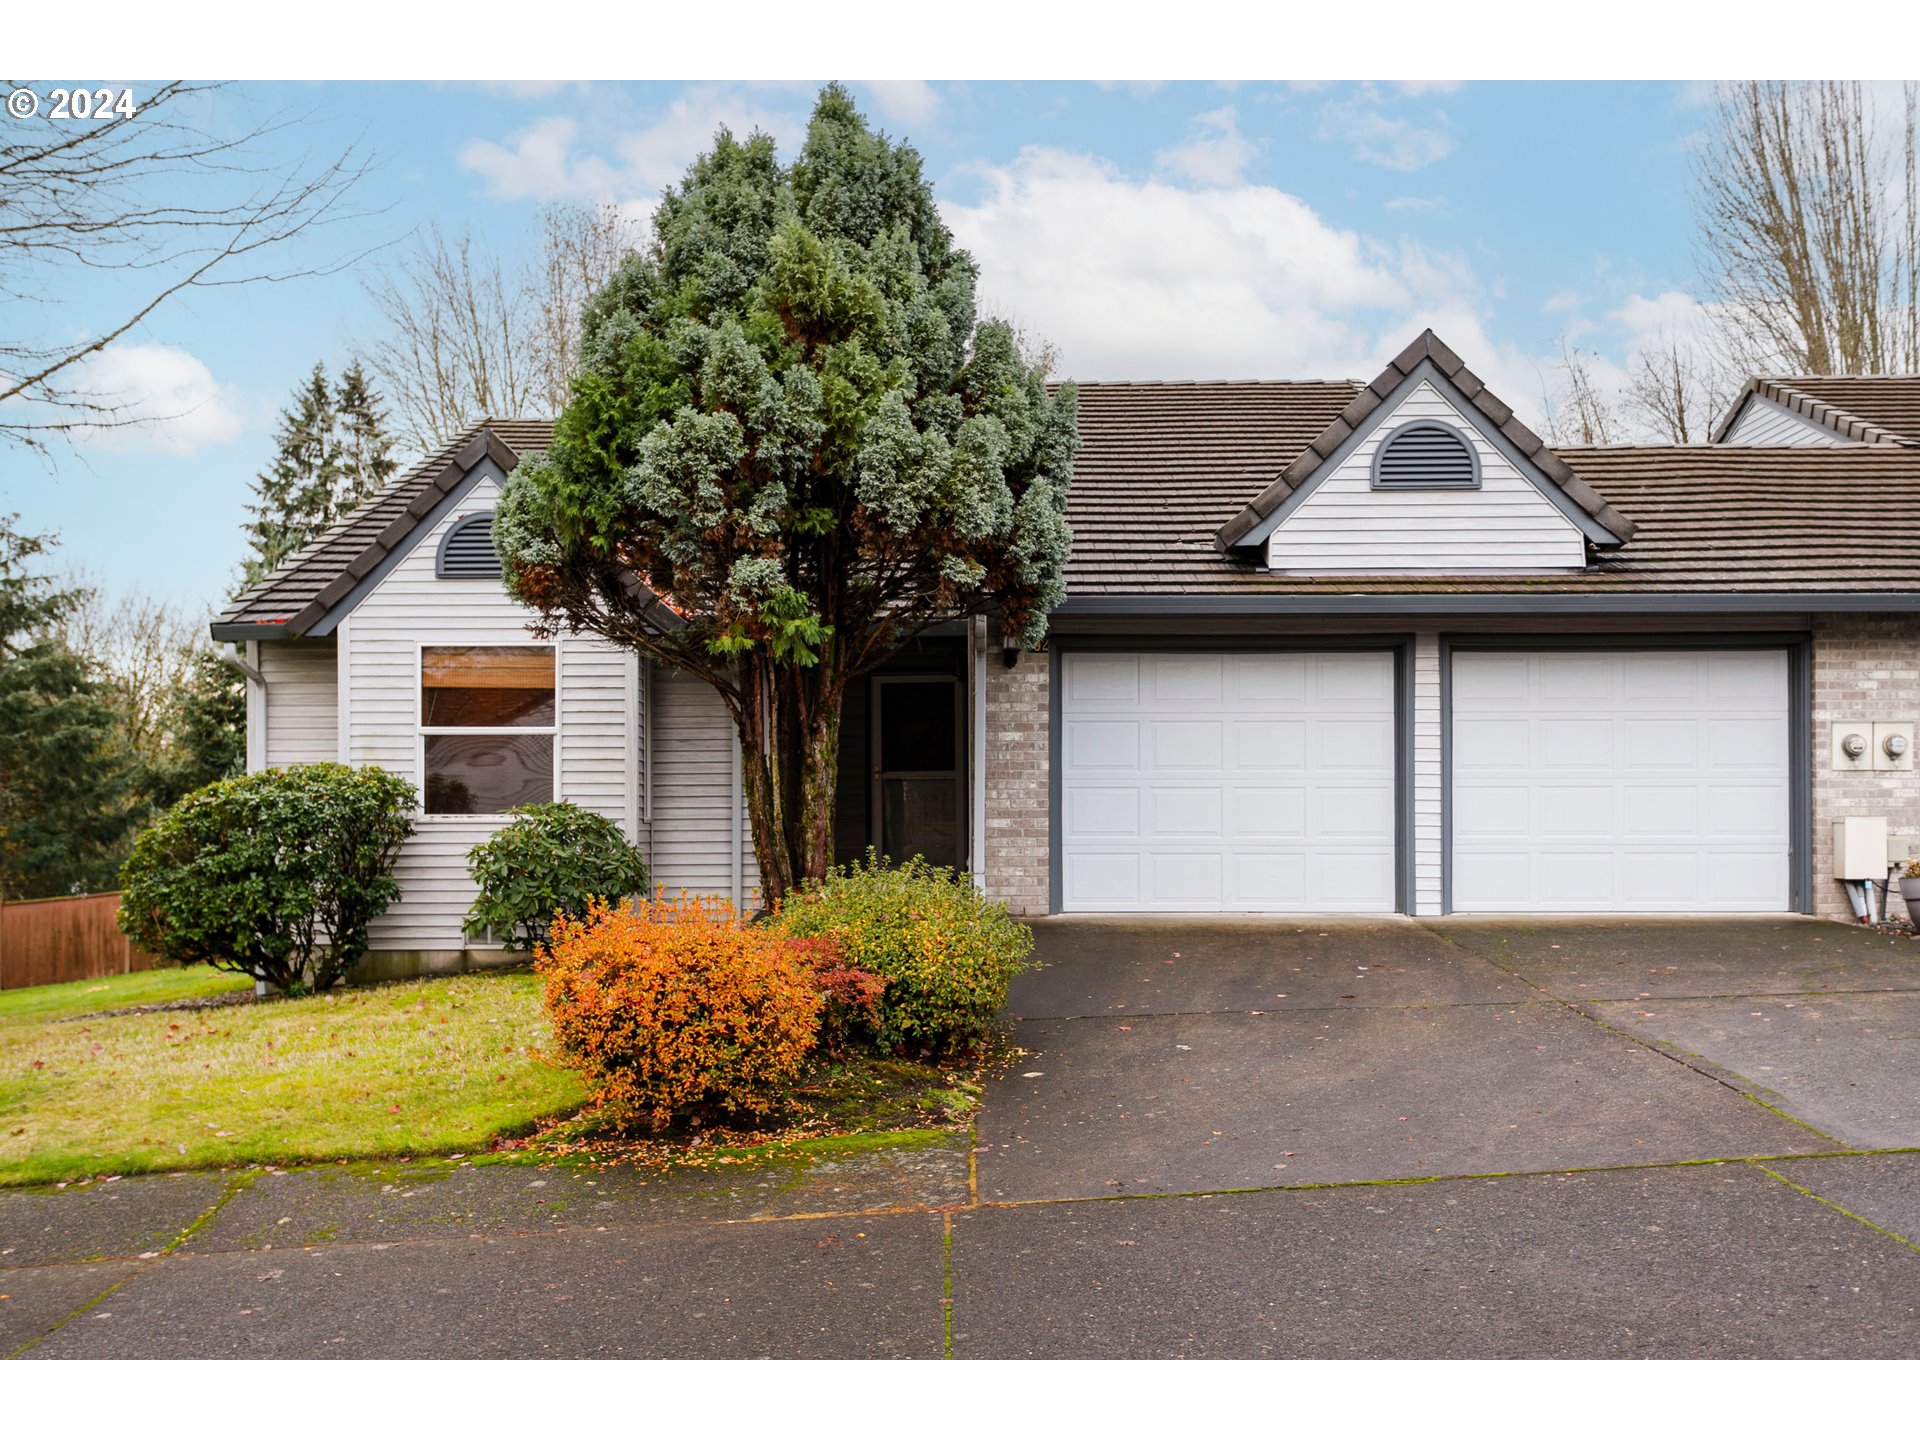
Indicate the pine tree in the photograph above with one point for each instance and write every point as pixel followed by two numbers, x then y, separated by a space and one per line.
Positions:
pixel 295 491
pixel 67 797
pixel 366 447
pixel 331 452
pixel 206 730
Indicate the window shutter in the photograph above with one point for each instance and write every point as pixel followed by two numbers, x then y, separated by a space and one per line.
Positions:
pixel 1426 455
pixel 467 552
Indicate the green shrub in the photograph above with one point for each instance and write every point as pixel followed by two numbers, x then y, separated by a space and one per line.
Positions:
pixel 946 952
pixel 550 860
pixel 277 875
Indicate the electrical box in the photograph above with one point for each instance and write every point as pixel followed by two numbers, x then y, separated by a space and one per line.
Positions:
pixel 1899 850
pixel 1860 848
pixel 1892 745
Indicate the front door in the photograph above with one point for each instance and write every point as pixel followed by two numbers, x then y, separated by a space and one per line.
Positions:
pixel 918 803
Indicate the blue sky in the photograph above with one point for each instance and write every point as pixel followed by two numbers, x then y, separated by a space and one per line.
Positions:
pixel 1179 231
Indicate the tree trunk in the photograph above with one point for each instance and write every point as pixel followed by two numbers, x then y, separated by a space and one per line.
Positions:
pixel 789 732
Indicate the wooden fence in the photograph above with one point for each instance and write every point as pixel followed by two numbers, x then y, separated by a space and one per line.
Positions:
pixel 72 937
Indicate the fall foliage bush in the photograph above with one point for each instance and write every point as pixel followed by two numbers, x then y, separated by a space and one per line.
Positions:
pixel 679 1011
pixel 945 951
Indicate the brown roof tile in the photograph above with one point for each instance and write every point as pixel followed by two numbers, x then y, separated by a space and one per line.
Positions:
pixel 1870 409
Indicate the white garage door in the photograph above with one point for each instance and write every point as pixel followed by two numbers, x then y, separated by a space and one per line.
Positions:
pixel 1227 782
pixel 1636 782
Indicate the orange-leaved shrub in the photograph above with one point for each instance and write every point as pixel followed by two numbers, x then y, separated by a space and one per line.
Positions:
pixel 679 1010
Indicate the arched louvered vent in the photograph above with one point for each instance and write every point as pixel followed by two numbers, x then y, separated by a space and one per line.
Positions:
pixel 1426 455
pixel 467 552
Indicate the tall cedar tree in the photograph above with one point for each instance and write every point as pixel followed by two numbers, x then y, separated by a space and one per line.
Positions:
pixel 331 451
pixel 790 427
pixel 66 791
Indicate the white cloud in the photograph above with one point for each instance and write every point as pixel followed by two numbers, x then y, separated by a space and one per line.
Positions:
pixel 1214 152
pixel 904 102
pixel 1361 121
pixel 1427 87
pixel 556 158
pixel 163 399
pixel 1150 280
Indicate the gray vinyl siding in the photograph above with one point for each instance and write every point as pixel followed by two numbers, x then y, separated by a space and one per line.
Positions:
pixel 597 748
pixel 302 701
pixel 1345 526
pixel 1768 422
pixel 698 826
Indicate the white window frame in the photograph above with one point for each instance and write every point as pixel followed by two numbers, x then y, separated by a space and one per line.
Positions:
pixel 422 730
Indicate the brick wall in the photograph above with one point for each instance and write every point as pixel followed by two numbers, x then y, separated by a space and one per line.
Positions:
pixel 1016 783
pixel 1865 668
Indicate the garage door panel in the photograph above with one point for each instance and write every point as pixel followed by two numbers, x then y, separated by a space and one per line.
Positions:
pixel 1565 812
pixel 1104 679
pixel 1103 744
pixel 1103 810
pixel 1181 880
pixel 1258 782
pixel 1186 811
pixel 1491 743
pixel 1270 744
pixel 1276 879
pixel 1184 679
pixel 1354 744
pixel 1270 811
pixel 1265 679
pixel 1354 812
pixel 1184 744
pixel 1106 878
pixel 1668 791
pixel 1573 744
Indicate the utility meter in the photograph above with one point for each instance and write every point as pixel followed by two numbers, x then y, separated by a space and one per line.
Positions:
pixel 1895 746
pixel 1854 746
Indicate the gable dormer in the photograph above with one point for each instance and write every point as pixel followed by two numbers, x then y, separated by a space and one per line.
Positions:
pixel 1426 472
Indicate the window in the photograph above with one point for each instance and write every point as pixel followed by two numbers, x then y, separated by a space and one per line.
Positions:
pixel 1426 455
pixel 466 551
pixel 487 722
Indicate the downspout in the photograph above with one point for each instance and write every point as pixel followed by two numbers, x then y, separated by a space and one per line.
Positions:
pixel 231 654
pixel 977 771
pixel 739 825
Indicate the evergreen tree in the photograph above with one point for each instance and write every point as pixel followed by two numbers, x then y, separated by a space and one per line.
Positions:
pixel 331 451
pixel 366 447
pixel 206 731
pixel 66 785
pixel 789 421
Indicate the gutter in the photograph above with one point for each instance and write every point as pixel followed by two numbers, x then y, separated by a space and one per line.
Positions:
pixel 231 654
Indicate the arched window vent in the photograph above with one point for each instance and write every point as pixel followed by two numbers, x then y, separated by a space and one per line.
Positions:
pixel 1426 455
pixel 467 553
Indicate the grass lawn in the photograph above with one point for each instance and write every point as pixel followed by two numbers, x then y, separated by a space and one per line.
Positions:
pixel 418 1068
pixel 422 1068
pixel 117 992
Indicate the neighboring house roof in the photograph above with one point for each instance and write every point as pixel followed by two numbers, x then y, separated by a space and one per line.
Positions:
pixel 1427 349
pixel 317 577
pixel 1866 409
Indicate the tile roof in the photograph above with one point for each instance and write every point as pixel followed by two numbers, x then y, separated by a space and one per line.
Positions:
pixel 316 577
pixel 1708 519
pixel 1871 409
pixel 1164 467
pixel 1427 348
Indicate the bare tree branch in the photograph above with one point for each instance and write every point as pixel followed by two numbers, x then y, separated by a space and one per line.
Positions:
pixel 100 196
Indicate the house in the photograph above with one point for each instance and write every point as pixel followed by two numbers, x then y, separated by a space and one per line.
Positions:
pixel 1327 646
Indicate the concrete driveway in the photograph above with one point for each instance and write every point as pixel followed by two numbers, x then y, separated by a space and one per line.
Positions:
pixel 1624 1138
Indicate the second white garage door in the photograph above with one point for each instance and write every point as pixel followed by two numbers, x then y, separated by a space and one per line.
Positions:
pixel 1227 782
pixel 1629 782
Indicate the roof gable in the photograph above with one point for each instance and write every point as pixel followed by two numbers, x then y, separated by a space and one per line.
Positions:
pixel 1428 358
pixel 1862 409
pixel 320 582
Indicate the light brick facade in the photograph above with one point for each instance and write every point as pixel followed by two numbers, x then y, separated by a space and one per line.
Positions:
pixel 1017 850
pixel 1865 668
